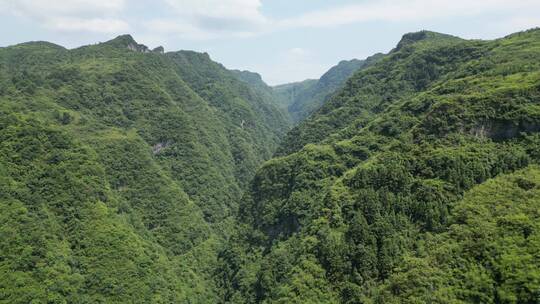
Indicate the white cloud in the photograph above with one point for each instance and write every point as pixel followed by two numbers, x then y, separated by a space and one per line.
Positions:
pixel 208 19
pixel 71 15
pixel 190 30
pixel 211 19
pixel 234 10
pixel 98 25
pixel 404 10
pixel 205 19
pixel 56 7
pixel 297 52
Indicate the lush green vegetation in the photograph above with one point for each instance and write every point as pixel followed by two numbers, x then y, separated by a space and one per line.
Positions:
pixel 375 199
pixel 303 98
pixel 488 254
pixel 120 170
pixel 288 93
pixel 132 176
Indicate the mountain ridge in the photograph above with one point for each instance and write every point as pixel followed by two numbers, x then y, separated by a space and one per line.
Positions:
pixel 305 97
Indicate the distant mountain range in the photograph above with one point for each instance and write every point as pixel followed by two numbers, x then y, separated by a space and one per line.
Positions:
pixel 300 99
pixel 304 98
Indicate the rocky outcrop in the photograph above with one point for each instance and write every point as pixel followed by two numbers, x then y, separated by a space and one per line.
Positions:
pixel 159 50
pixel 127 41
pixel 141 48
pixel 159 146
pixel 503 130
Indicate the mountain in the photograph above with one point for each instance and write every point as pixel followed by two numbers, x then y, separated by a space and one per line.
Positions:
pixel 121 169
pixel 497 263
pixel 416 182
pixel 251 78
pixel 288 93
pixel 257 84
pixel 303 98
pixel 131 175
pixel 300 99
pixel 345 106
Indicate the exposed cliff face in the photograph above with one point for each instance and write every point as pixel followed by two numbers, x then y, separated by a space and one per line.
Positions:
pixel 505 130
pixel 128 42
pixel 138 48
pixel 159 50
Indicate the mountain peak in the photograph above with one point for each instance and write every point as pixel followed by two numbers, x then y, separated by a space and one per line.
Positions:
pixel 127 41
pixel 159 49
pixel 39 45
pixel 424 35
pixel 256 77
pixel 122 39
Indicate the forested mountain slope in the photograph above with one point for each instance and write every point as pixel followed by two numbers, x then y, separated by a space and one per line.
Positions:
pixel 288 93
pixel 119 170
pixel 303 98
pixel 255 81
pixel 375 197
pixel 300 99
pixel 130 175
pixel 488 254
pixel 408 69
pixel 252 78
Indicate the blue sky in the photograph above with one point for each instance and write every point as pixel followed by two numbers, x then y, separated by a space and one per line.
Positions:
pixel 283 40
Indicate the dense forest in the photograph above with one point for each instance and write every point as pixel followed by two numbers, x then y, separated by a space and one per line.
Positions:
pixel 415 183
pixel 122 169
pixel 131 175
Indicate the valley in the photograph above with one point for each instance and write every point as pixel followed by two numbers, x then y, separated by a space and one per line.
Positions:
pixel 133 175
